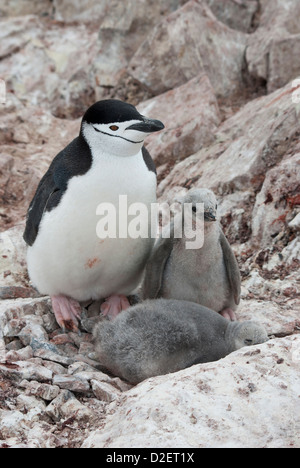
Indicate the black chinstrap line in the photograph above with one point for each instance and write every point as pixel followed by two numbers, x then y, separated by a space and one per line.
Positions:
pixel 117 136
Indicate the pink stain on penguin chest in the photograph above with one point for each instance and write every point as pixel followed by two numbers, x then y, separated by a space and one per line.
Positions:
pixel 91 263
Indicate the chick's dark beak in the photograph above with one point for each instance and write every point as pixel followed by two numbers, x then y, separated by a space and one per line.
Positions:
pixel 210 215
pixel 147 126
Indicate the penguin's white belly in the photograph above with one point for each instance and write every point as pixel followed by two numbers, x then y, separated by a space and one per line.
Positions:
pixel 69 258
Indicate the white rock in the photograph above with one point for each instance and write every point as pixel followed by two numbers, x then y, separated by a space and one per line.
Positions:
pixel 236 14
pixel 191 116
pixel 20 355
pixel 292 251
pixel 33 330
pixel 295 223
pixel 11 423
pixel 253 140
pixel 25 7
pixel 73 383
pixel 277 320
pixel 189 41
pixel 26 403
pixel 276 201
pixel 45 391
pixel 272 50
pixel 27 370
pixel 248 399
pixel 84 10
pixel 65 405
pixel 2 349
pixel 13 257
pixel 104 391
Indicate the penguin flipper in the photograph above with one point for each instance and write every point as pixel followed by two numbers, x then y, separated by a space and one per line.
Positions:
pixel 68 163
pixel 46 195
pixel 156 266
pixel 232 268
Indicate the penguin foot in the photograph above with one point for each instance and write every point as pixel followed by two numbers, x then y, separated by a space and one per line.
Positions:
pixel 67 312
pixel 228 314
pixel 113 305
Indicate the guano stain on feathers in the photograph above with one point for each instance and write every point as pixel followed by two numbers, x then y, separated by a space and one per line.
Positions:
pixel 91 263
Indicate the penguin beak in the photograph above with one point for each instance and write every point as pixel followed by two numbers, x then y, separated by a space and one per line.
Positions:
pixel 210 215
pixel 147 126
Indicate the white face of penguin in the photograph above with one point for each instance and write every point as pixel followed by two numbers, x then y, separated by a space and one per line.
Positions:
pixel 119 138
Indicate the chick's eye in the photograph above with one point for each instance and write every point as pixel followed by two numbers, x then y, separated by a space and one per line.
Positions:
pixel 248 342
pixel 216 207
pixel 114 128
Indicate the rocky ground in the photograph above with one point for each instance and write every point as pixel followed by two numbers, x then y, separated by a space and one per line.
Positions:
pixel 224 77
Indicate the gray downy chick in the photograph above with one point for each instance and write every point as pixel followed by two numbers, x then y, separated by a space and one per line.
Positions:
pixel 160 336
pixel 208 276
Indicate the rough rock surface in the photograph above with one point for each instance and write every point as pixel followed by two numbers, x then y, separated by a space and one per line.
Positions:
pixel 226 82
pixel 272 50
pixel 191 116
pixel 241 412
pixel 238 14
pixel 30 137
pixel 189 41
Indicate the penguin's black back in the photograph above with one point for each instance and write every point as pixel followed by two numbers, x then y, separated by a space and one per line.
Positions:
pixel 74 160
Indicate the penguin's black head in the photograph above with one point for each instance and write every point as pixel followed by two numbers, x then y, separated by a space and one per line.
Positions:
pixel 116 127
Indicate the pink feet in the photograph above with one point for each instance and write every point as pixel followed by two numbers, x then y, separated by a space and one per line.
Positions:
pixel 114 305
pixel 67 312
pixel 228 314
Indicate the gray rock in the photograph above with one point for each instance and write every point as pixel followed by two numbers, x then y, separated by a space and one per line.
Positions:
pixel 181 47
pixel 104 391
pixel 33 332
pixel 272 122
pixel 45 391
pixel 235 14
pixel 21 370
pixel 78 366
pixel 42 350
pixel 191 117
pixel 277 202
pixel 65 405
pixel 19 355
pixel 73 383
pixel 272 50
pixel 26 7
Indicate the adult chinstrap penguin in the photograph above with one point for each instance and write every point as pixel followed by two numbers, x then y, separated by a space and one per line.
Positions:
pixel 66 258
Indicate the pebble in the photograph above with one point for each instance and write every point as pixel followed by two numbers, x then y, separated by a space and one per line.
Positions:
pixel 45 391
pixel 65 405
pixel 20 370
pixel 73 383
pixel 104 391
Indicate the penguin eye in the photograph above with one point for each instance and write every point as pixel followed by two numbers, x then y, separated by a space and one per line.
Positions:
pixel 248 342
pixel 114 128
pixel 194 209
